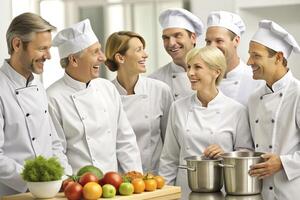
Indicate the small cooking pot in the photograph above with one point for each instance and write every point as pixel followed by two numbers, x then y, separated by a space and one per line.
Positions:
pixel 204 174
pixel 236 166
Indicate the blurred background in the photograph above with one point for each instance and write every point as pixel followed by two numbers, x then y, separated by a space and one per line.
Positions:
pixel 141 16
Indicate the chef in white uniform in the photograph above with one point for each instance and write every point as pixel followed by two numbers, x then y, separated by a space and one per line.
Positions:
pixel 180 31
pixel 86 110
pixel 146 101
pixel 224 30
pixel 274 112
pixel 26 127
pixel 207 122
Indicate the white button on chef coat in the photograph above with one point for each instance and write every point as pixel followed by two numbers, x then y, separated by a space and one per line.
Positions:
pixel 26 128
pixel 239 83
pixel 176 78
pixel 275 125
pixel 230 127
pixel 111 138
pixel 147 111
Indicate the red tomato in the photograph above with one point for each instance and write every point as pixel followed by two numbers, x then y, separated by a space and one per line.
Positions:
pixel 73 191
pixel 112 178
pixel 66 183
pixel 88 177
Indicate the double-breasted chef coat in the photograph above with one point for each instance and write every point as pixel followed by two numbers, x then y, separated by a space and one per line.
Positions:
pixel 192 128
pixel 26 128
pixel 239 84
pixel 275 124
pixel 147 111
pixel 176 78
pixel 92 125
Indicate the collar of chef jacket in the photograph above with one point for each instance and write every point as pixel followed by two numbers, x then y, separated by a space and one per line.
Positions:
pixel 281 83
pixel 77 85
pixel 177 68
pixel 138 88
pixel 236 71
pixel 17 79
pixel 219 99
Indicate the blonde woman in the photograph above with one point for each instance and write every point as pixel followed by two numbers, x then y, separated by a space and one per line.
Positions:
pixel 207 122
pixel 146 101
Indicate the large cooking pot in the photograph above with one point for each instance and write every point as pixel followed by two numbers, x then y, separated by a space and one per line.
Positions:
pixel 206 196
pixel 204 175
pixel 236 166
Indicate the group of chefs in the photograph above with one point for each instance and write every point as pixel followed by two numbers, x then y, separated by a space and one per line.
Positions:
pixel 206 101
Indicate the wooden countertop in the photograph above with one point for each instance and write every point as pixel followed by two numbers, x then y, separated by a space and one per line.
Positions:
pixel 166 193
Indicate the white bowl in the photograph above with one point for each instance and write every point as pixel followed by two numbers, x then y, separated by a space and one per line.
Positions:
pixel 44 189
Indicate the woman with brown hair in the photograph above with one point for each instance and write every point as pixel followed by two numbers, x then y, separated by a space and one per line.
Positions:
pixel 146 101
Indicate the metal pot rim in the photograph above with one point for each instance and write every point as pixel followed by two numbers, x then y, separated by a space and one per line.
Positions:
pixel 201 158
pixel 241 155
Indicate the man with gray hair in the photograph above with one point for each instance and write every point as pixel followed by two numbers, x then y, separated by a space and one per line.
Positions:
pixel 26 129
pixel 86 110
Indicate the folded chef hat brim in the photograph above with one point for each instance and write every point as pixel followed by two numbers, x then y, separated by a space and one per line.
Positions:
pixel 74 39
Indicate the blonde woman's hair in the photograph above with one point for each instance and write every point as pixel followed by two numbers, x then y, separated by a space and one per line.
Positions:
pixel 212 57
pixel 118 43
pixel 25 26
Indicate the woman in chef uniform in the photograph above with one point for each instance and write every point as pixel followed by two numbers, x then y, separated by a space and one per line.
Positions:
pixel 146 101
pixel 207 122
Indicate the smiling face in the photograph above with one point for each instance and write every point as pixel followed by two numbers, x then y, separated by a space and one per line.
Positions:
pixel 200 75
pixel 222 39
pixel 134 60
pixel 177 43
pixel 33 54
pixel 88 63
pixel 263 66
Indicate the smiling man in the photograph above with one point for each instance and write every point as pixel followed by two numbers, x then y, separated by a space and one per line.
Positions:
pixel 26 129
pixel 274 112
pixel 86 110
pixel 180 31
pixel 224 31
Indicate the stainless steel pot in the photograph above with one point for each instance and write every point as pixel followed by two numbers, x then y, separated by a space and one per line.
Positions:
pixel 204 175
pixel 206 196
pixel 236 166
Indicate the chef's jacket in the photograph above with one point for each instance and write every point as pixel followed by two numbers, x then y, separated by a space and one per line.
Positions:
pixel 274 116
pixel 92 125
pixel 147 111
pixel 26 128
pixel 176 78
pixel 192 128
pixel 239 84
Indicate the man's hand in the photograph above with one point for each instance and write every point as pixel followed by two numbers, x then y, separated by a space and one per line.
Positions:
pixel 271 165
pixel 213 151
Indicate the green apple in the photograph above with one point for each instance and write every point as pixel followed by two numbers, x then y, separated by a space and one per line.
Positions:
pixel 126 188
pixel 109 191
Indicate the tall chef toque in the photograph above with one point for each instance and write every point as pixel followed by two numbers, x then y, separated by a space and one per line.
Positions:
pixel 275 37
pixel 181 18
pixel 75 38
pixel 228 20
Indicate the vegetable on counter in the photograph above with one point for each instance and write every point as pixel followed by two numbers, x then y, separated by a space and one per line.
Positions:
pixel 41 169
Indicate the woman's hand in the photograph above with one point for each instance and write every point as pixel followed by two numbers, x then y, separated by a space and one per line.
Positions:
pixel 213 151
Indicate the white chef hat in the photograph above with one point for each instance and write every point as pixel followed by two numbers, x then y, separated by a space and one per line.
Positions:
pixel 181 18
pixel 275 37
pixel 228 20
pixel 74 38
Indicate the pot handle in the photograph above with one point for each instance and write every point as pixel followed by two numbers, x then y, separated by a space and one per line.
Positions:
pixel 186 167
pixel 226 165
